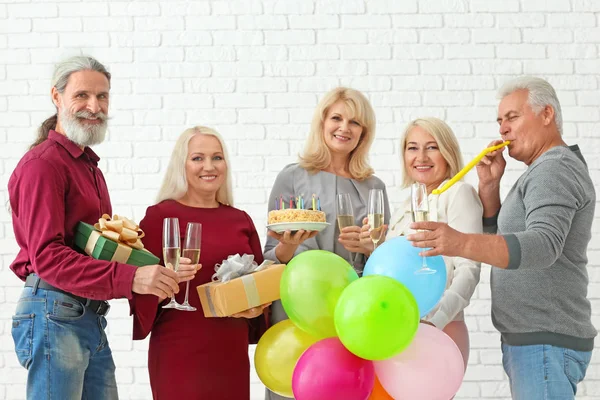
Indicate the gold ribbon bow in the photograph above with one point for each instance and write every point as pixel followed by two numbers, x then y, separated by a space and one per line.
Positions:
pixel 121 230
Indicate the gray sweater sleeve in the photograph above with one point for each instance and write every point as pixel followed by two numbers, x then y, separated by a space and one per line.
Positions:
pixel 551 195
pixel 284 185
pixel 387 213
pixel 490 224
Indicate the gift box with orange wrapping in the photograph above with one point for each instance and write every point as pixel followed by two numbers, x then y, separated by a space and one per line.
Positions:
pixel 238 285
pixel 114 239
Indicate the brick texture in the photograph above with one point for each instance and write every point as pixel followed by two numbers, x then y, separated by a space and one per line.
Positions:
pixel 255 70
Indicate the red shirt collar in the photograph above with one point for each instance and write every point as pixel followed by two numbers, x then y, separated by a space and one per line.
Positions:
pixel 74 150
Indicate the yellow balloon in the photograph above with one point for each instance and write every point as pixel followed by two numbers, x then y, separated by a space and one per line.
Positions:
pixel 276 355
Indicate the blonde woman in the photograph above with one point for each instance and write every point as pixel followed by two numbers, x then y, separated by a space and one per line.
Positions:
pixel 431 155
pixel 190 356
pixel 334 161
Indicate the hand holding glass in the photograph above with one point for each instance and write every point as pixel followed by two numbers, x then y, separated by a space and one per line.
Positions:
pixel 345 215
pixel 171 250
pixel 191 250
pixel 375 215
pixel 420 212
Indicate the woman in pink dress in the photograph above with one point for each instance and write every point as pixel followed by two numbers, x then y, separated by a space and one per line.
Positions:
pixel 190 356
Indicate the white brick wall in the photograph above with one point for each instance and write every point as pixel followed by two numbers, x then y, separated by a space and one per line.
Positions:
pixel 254 70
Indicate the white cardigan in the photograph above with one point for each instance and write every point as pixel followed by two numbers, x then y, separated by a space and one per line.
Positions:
pixel 461 208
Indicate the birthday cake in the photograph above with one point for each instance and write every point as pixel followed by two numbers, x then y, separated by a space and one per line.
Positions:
pixel 295 215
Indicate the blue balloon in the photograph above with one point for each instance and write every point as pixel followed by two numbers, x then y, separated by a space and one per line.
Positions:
pixel 398 259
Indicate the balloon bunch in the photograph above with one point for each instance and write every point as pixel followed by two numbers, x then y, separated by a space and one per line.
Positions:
pixel 360 339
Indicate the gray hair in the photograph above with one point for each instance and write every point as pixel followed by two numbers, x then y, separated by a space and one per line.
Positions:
pixel 60 78
pixel 541 94
pixel 175 185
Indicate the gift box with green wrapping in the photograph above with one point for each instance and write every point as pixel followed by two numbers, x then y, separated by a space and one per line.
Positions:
pixel 114 239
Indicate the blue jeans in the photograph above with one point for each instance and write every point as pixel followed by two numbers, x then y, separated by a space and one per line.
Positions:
pixel 544 372
pixel 63 346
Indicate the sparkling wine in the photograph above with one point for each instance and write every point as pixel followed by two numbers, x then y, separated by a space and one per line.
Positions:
pixel 420 216
pixel 376 223
pixel 171 257
pixel 192 254
pixel 345 221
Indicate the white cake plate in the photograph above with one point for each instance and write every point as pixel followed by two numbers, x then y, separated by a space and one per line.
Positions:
pixel 296 226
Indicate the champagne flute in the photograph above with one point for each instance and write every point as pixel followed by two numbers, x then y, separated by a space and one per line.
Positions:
pixel 171 250
pixel 419 206
pixel 375 215
pixel 345 216
pixel 191 250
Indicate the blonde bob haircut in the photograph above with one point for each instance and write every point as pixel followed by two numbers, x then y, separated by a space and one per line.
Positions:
pixel 317 156
pixel 175 184
pixel 446 140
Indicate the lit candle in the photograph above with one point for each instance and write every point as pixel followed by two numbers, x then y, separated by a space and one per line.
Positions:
pixel 314 202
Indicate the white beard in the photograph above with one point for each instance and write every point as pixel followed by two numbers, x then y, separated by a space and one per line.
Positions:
pixel 81 134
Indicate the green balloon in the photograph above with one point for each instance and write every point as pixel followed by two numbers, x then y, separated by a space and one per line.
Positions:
pixel 376 317
pixel 311 285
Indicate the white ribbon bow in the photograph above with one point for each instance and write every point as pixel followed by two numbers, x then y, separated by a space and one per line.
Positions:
pixel 236 266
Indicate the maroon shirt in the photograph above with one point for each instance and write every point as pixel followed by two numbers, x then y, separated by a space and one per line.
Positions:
pixel 54 186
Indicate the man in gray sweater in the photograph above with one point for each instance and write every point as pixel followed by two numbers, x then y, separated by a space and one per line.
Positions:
pixel 542 229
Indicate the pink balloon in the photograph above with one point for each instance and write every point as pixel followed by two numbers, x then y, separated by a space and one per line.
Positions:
pixel 327 371
pixel 431 368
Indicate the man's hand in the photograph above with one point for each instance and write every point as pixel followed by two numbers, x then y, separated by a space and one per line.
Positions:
pixel 442 239
pixel 252 312
pixel 157 280
pixel 491 167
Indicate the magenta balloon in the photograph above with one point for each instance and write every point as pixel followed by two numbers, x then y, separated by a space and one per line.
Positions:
pixel 327 371
pixel 430 368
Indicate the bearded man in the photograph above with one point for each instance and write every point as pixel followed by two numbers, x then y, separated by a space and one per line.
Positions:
pixel 58 326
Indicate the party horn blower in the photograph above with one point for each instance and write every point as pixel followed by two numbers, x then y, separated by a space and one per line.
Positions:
pixel 469 166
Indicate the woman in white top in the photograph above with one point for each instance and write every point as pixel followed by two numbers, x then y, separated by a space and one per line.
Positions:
pixel 431 156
